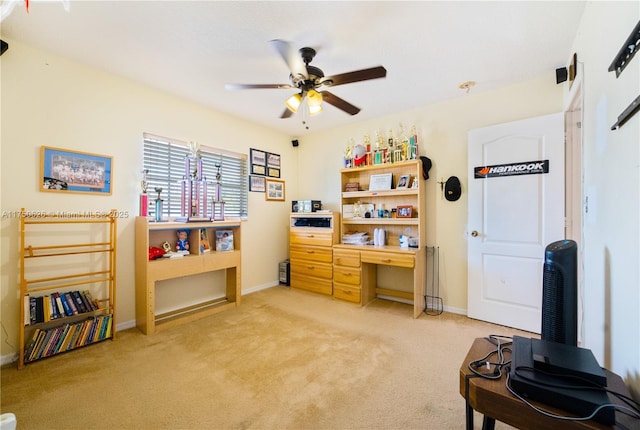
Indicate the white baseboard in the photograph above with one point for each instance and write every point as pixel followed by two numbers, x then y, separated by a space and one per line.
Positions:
pixel 260 287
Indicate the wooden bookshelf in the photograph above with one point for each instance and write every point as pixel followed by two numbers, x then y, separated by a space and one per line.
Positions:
pixel 148 272
pixel 67 287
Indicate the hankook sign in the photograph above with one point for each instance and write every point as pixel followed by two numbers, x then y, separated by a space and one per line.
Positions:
pixel 512 169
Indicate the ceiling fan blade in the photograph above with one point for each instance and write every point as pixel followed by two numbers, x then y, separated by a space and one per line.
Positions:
pixel 257 86
pixel 286 114
pixel 293 59
pixel 341 104
pixel 355 76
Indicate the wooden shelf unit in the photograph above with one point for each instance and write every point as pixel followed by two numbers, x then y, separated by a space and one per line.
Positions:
pixel 358 282
pixel 149 272
pixel 58 266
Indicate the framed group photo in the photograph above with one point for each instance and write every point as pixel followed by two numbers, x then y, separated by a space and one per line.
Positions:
pixel 404 211
pixel 63 170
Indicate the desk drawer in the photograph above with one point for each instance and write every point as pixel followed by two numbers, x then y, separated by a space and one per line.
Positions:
pixel 310 252
pixel 346 257
pixel 388 258
pixel 346 292
pixel 311 238
pixel 311 268
pixel 323 286
pixel 346 275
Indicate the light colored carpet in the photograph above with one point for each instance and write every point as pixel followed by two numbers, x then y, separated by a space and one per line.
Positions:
pixel 284 359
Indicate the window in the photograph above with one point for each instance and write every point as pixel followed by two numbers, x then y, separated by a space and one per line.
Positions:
pixel 164 161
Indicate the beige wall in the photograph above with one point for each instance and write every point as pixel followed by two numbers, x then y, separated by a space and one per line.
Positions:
pixel 47 100
pixel 611 184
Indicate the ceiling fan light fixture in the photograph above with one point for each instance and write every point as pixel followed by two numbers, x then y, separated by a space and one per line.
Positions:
pixel 314 98
pixel 314 110
pixel 294 102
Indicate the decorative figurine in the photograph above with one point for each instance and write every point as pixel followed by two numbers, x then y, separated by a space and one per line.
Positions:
pixel 182 244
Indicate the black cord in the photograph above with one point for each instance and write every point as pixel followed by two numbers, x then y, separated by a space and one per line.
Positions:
pixel 628 410
pixel 493 369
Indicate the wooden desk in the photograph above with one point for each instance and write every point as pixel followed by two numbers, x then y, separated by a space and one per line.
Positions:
pixel 492 399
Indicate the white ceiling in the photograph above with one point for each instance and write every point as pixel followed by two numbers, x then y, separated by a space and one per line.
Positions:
pixel 192 48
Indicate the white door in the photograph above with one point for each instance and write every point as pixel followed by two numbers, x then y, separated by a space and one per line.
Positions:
pixel 516 208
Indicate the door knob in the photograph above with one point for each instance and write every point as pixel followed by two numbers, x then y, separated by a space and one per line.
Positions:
pixel 474 233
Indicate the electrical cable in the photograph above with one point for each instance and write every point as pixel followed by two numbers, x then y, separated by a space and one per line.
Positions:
pixel 633 412
pixel 501 348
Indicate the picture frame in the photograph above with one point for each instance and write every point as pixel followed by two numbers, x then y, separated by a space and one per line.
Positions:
pixel 68 171
pixel 224 240
pixel 275 190
pixel 404 211
pixel 272 172
pixel 403 182
pixel 380 182
pixel 273 160
pixel 258 160
pixel 257 183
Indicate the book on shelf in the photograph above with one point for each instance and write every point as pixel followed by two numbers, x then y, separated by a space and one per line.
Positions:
pixel 79 303
pixel 36 347
pixel 59 305
pixel 76 335
pixel 68 337
pixel 32 343
pixel 90 303
pixel 109 326
pixel 65 305
pixel 46 308
pixel 224 240
pixel 27 309
pixel 72 305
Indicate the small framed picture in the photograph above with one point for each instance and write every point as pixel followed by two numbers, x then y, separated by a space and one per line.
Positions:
pixel 380 182
pixel 257 184
pixel 403 181
pixel 273 160
pixel 404 211
pixel 273 172
pixel 258 162
pixel 275 190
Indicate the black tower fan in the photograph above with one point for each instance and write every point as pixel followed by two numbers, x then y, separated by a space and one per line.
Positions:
pixel 560 293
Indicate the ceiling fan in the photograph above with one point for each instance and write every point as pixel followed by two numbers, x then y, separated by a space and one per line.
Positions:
pixel 310 80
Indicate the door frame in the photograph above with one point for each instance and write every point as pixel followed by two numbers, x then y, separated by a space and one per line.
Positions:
pixel 574 179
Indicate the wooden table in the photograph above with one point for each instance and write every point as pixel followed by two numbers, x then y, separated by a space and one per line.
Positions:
pixel 492 399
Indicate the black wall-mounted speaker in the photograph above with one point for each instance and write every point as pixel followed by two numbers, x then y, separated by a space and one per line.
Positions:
pixel 561 75
pixel 294 143
pixel 560 293
pixel 3 46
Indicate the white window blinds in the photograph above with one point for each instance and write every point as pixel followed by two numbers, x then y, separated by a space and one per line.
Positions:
pixel 164 159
